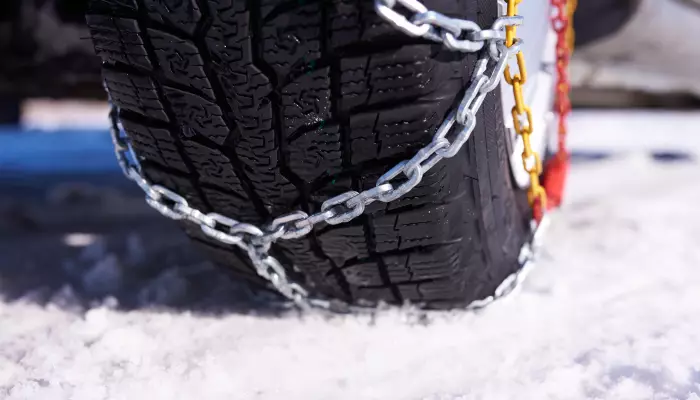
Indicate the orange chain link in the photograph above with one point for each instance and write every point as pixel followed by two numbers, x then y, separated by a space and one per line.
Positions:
pixel 557 167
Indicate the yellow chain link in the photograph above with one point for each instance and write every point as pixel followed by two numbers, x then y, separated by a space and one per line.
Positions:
pixel 571 34
pixel 522 115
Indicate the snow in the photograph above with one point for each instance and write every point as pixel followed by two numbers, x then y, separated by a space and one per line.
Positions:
pixel 609 313
pixel 635 130
pixel 49 114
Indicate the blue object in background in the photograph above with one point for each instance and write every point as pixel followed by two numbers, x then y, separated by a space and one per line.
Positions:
pixel 59 152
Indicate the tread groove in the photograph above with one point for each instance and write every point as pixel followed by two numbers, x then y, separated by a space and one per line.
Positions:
pixel 202 26
pixel 141 71
pixel 166 106
pixel 343 119
pixel 277 117
pixel 336 271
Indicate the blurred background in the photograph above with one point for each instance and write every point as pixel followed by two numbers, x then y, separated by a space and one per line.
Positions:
pixel 77 237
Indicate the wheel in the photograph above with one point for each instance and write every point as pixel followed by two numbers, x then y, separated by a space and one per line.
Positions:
pixel 610 72
pixel 253 109
pixel 598 19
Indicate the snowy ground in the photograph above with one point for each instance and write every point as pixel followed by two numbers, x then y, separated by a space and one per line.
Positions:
pixel 131 312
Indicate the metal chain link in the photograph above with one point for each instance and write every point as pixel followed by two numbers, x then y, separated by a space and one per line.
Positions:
pixel 456 34
pixel 522 119
pixel 562 24
pixel 453 133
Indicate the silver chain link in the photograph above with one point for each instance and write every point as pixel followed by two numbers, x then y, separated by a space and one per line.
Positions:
pixel 453 133
pixel 456 34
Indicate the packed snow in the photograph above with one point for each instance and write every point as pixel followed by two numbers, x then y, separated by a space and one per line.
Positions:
pixel 611 312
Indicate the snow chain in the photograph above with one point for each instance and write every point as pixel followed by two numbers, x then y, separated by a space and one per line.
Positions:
pixel 557 166
pixel 522 118
pixel 499 44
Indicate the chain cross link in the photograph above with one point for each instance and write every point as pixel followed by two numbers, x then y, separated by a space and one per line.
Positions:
pixel 449 138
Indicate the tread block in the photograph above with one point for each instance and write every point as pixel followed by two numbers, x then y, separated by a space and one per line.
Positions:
pixel 231 205
pixel 316 153
pixel 180 14
pixel 228 37
pixel 440 294
pixel 180 61
pixel 134 93
pixel 118 40
pixel 291 41
pixel 344 242
pixel 439 262
pixel 353 21
pixel 393 132
pixel 260 158
pixel 409 72
pixel 410 270
pixel 154 144
pixel 248 93
pixel 197 115
pixel 441 289
pixel 424 226
pixel 437 187
pixel 213 166
pixel 306 100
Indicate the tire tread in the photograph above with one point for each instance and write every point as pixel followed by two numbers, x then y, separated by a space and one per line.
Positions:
pixel 255 108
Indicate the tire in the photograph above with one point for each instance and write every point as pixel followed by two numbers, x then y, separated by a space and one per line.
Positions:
pixel 598 19
pixel 256 108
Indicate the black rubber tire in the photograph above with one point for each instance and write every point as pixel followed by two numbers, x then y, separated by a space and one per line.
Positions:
pixel 255 108
pixel 598 19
